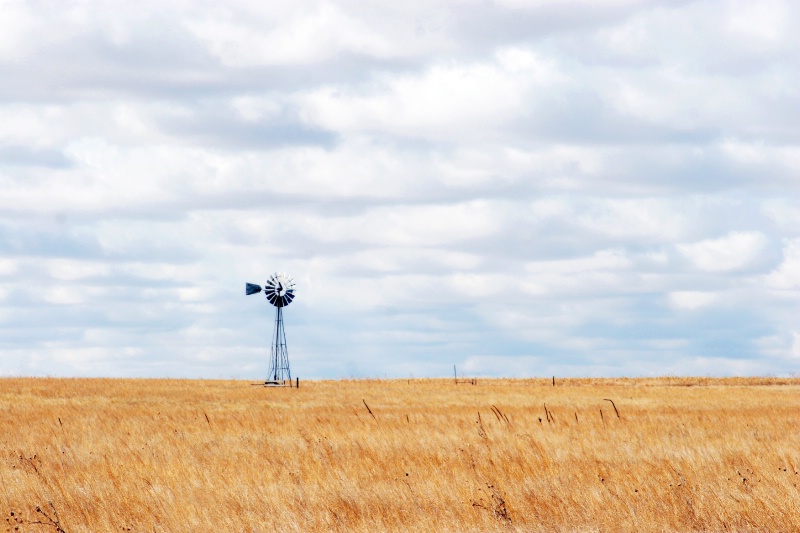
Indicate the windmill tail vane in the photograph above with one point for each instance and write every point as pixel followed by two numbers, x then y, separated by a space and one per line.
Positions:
pixel 280 292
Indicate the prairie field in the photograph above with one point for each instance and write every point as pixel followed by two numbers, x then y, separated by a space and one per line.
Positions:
pixel 662 454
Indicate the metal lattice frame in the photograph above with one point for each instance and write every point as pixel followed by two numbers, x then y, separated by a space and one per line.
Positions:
pixel 279 361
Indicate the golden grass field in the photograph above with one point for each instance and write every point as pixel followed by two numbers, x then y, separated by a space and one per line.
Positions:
pixel 103 455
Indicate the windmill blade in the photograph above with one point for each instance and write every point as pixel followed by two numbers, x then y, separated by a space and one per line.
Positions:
pixel 252 288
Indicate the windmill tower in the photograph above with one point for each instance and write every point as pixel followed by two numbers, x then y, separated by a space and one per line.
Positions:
pixel 279 290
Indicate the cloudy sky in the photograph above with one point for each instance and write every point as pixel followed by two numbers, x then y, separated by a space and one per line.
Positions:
pixel 519 188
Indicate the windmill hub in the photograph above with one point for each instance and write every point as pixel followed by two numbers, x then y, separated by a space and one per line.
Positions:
pixel 279 290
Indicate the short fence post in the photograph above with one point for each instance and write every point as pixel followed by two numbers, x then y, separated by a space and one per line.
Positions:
pixel 298 383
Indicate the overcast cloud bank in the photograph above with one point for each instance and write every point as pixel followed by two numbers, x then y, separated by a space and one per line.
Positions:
pixel 518 188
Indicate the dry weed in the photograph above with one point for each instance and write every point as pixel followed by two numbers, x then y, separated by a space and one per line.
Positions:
pixel 670 454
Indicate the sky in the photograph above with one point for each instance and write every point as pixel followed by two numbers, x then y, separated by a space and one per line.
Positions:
pixel 516 188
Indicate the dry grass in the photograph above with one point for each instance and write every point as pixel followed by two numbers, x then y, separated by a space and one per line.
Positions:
pixel 165 455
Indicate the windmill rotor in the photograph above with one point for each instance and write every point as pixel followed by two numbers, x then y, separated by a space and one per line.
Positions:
pixel 279 290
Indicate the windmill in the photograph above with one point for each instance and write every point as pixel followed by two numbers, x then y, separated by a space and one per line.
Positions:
pixel 279 290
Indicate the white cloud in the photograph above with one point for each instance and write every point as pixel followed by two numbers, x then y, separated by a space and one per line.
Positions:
pixel 762 24
pixel 395 259
pixel 18 27
pixel 447 101
pixel 72 295
pixel 668 97
pixel 599 272
pixel 787 274
pixel 70 269
pixel 526 62
pixel 648 217
pixel 785 213
pixel 8 266
pixel 737 250
pixel 410 225
pixel 691 300
pixel 569 5
pixel 290 34
pixel 253 108
pixel 783 346
pixel 765 158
